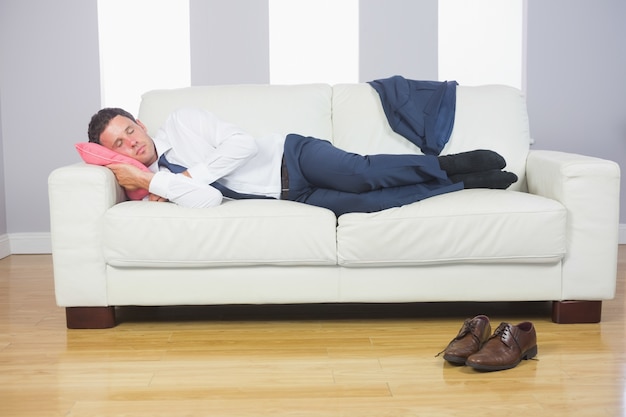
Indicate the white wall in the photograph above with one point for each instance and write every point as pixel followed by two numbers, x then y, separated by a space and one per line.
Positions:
pixel 575 76
pixel 154 56
pixel 398 37
pixel 229 42
pixel 5 249
pixel 49 79
pixel 3 206
pixel 49 87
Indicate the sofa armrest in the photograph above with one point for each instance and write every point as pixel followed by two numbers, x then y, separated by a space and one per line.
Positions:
pixel 589 188
pixel 79 195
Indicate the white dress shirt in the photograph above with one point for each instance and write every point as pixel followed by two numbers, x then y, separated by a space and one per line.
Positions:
pixel 213 150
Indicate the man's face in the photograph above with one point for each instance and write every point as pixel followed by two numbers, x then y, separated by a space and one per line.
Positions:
pixel 124 136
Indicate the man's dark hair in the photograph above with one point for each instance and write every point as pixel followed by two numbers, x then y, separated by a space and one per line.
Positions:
pixel 100 121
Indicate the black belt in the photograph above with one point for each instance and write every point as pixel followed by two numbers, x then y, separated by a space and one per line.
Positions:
pixel 284 180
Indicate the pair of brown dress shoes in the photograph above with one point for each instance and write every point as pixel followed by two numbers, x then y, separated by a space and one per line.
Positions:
pixel 475 346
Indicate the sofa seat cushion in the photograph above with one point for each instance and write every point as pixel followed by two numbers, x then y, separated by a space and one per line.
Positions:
pixel 476 225
pixel 243 232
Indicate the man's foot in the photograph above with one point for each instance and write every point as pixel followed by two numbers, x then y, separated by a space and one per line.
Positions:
pixel 472 161
pixel 494 179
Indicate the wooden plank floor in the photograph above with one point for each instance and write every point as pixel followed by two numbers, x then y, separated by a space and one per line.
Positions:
pixel 293 361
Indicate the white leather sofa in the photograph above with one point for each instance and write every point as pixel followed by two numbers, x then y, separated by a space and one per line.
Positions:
pixel 551 237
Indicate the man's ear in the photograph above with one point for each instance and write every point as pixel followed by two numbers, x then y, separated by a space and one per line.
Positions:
pixel 141 125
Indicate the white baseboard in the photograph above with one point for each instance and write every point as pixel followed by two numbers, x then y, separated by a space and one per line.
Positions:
pixel 622 234
pixel 5 246
pixel 29 243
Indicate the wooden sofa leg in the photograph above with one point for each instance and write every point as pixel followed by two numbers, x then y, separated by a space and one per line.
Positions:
pixel 90 317
pixel 568 312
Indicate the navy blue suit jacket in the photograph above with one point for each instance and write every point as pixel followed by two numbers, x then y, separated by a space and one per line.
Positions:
pixel 421 111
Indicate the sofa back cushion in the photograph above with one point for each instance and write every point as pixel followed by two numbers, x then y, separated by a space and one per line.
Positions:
pixel 258 109
pixel 487 117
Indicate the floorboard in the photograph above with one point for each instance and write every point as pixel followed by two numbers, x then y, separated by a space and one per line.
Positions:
pixel 320 360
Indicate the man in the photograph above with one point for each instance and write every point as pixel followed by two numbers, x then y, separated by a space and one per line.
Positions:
pixel 196 160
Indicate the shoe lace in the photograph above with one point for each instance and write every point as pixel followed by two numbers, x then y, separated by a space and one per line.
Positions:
pixel 469 325
pixel 506 336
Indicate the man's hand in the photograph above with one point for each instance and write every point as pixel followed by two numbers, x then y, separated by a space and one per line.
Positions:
pixel 131 177
pixel 154 197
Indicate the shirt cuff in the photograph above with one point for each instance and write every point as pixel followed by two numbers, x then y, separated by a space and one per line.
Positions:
pixel 160 183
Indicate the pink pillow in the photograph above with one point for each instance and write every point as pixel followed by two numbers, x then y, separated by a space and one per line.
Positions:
pixel 93 153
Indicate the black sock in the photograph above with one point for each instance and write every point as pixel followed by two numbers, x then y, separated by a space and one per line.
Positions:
pixel 494 179
pixel 472 161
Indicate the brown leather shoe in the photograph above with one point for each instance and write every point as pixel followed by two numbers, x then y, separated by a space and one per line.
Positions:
pixel 506 348
pixel 473 334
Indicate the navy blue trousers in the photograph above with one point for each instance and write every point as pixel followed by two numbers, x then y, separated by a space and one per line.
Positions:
pixel 344 182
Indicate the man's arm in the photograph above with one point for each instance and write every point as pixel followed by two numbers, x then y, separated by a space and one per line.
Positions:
pixel 131 177
pixel 209 147
pixel 165 186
